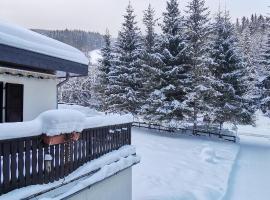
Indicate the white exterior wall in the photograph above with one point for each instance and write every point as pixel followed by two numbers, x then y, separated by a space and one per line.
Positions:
pixel 39 94
pixel 117 187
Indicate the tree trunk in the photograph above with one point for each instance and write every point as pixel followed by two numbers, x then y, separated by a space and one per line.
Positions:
pixel 220 128
pixel 195 119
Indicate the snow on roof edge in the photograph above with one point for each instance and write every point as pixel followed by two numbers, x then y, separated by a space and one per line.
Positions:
pixel 18 37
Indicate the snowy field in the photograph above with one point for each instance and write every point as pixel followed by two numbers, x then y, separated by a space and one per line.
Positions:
pixel 181 168
pixel 250 179
pixel 262 126
pixel 190 168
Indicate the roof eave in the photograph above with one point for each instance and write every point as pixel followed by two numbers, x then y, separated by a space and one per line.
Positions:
pixel 22 57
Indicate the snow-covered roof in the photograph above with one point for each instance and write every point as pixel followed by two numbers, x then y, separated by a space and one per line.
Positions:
pixel 16 36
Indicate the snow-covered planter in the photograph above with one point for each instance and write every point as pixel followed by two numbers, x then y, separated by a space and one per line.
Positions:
pixel 60 139
pixel 60 126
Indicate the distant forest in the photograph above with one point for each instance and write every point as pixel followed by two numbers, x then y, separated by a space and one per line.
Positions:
pixel 85 41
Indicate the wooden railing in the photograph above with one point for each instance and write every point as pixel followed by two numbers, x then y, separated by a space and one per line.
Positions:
pixel 22 160
pixel 209 133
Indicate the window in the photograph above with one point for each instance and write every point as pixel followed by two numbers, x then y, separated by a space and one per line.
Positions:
pixel 13 102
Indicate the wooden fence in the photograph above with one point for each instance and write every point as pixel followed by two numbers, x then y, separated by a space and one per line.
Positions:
pixel 22 160
pixel 209 133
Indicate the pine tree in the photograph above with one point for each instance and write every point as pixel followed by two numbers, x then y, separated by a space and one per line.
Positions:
pixel 151 63
pixel 198 33
pixel 265 101
pixel 229 70
pixel 126 74
pixel 166 101
pixel 104 68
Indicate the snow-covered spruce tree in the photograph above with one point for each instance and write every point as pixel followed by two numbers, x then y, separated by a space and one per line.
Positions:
pixel 247 47
pixel 151 64
pixel 125 77
pixel 229 69
pixel 166 101
pixel 265 101
pixel 104 68
pixel 198 38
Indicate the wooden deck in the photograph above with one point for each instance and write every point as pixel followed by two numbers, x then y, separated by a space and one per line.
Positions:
pixel 22 160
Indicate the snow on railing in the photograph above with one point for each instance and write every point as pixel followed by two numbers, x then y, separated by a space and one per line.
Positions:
pixel 56 122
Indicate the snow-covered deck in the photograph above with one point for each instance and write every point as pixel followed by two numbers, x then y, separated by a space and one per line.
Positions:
pixel 85 176
pixel 26 159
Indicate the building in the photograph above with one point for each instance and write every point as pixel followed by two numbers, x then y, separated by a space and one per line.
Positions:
pixel 29 66
pixel 50 153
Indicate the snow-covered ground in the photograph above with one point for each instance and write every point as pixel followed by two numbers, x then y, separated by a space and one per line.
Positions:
pixel 250 179
pixel 181 168
pixel 184 169
pixel 262 126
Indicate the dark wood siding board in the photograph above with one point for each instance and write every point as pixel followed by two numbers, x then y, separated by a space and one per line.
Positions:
pixel 21 57
pixel 27 162
pixel 40 162
pixel 21 177
pixel 75 163
pixel 71 166
pixel 14 151
pixel 104 139
pixel 46 173
pixel 6 167
pixel 34 160
pixel 79 152
pixel 52 153
pixel 87 145
pixel 62 160
pixel 66 158
pixel 90 133
pixel 95 143
pixel 57 164
pixel 83 148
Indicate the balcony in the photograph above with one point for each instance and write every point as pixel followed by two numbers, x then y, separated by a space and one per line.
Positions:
pixel 30 161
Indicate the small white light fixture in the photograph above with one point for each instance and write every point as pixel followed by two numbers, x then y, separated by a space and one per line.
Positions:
pixel 48 162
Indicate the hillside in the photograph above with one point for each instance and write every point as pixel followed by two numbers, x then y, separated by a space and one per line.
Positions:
pixel 85 41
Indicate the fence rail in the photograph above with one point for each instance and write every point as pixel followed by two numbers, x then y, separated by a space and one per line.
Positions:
pixel 152 126
pixel 22 160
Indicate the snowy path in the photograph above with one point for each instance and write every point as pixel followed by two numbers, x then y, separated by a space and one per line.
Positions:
pixel 180 168
pixel 250 179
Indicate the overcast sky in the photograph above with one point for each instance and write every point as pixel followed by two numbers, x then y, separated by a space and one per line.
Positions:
pixel 97 15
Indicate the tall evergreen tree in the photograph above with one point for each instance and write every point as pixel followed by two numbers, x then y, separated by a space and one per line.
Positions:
pixel 104 67
pixel 229 70
pixel 265 102
pixel 198 32
pixel 151 62
pixel 126 74
pixel 166 101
